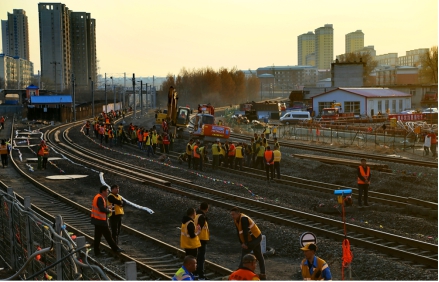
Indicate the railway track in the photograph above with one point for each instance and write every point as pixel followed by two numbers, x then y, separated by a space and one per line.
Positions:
pixel 404 248
pixel 154 259
pixel 327 150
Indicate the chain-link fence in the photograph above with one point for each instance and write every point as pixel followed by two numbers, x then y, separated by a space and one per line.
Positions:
pixel 37 248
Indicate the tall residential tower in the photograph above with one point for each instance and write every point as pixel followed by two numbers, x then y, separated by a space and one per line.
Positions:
pixel 305 47
pixel 15 35
pixel 324 46
pixel 354 41
pixel 67 46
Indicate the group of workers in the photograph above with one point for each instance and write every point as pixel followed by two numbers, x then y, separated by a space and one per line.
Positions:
pixel 257 154
pixel 195 235
pixel 107 204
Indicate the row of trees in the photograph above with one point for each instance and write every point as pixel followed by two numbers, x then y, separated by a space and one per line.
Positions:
pixel 222 87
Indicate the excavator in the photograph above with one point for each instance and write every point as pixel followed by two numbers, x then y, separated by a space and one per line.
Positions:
pixel 204 126
pixel 175 115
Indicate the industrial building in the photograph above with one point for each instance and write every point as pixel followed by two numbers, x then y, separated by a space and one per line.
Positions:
pixel 363 101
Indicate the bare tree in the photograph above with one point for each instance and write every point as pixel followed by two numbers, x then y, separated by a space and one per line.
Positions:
pixel 428 73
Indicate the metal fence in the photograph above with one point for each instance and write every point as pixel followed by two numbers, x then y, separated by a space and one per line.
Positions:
pixel 37 248
pixel 375 139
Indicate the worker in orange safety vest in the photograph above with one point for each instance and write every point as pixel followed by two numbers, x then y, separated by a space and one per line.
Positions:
pixel 363 181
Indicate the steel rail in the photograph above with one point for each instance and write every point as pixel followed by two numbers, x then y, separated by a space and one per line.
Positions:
pixel 345 152
pixel 405 248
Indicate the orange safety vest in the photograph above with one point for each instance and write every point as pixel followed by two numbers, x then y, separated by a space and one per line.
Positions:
pixel 145 135
pixel 268 155
pixel 231 150
pixel 3 149
pixel 95 212
pixel 166 140
pixel 196 155
pixel 41 151
pixel 364 174
pixel 243 274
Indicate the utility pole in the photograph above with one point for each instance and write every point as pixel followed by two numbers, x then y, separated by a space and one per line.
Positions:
pixel 105 90
pixel 124 88
pixel 134 92
pixel 92 99
pixel 74 97
pixel 141 98
pixel 146 97
pixel 114 93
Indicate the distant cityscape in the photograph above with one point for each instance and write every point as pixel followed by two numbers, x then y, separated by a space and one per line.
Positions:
pixel 68 53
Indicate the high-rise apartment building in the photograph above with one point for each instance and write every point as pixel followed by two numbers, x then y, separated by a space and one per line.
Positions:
pixel 54 21
pixel 5 38
pixel 305 47
pixel 67 46
pixel 324 46
pixel 83 48
pixel 354 41
pixel 15 35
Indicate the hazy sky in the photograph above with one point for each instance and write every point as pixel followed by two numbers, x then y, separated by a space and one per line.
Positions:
pixel 161 37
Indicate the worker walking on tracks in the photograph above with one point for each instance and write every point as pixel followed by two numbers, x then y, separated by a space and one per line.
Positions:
pixel 87 128
pixel 189 148
pixel 115 204
pixel 196 156
pixel 363 181
pixel 189 240
pixel 313 267
pixel 260 156
pixel 99 212
pixel 247 271
pixel 2 122
pixel 4 152
pixel 215 154
pixel 239 156
pixel 204 236
pixel 250 238
pixel 40 153
pixel 277 158
pixel 185 273
pixel 433 145
pixel 231 153
pixel 269 163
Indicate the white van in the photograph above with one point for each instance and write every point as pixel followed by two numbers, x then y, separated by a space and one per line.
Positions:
pixel 295 116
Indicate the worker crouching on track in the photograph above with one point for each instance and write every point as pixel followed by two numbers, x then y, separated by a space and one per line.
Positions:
pixel 247 271
pixel 313 267
pixel 250 238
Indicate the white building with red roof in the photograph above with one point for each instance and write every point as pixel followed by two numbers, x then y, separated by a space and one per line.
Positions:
pixel 363 101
